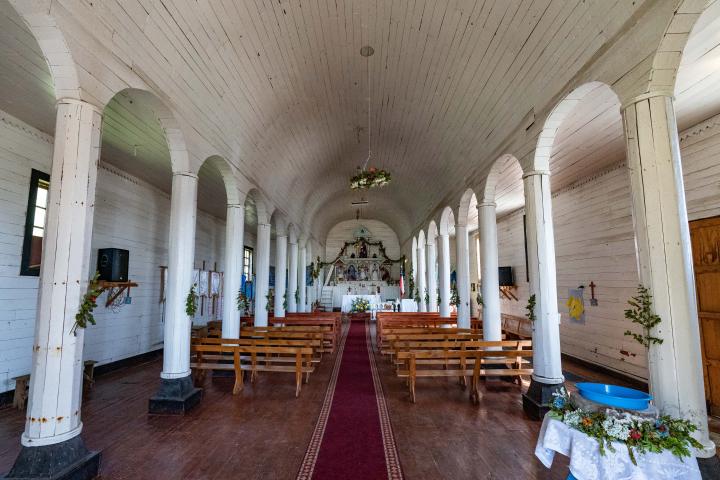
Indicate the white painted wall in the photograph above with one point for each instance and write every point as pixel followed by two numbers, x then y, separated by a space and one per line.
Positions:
pixel 595 242
pixel 129 214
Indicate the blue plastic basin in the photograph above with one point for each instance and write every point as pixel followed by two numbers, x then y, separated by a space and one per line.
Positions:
pixel 614 395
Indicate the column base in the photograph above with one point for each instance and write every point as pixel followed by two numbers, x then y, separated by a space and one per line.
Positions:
pixel 68 460
pixel 709 467
pixel 175 396
pixel 537 399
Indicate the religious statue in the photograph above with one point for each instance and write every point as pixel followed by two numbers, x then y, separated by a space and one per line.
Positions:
pixel 384 274
pixel 351 274
pixel 363 250
pixel 375 275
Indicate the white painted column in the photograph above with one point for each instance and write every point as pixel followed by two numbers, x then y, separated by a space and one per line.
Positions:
pixel 421 279
pixel 490 286
pixel 302 281
pixel 308 296
pixel 181 256
pixel 414 260
pixel 463 275
pixel 432 276
pixel 232 277
pixel 445 275
pixel 541 263
pixel 280 267
pixel 665 261
pixel 292 274
pixel 262 274
pixel 53 412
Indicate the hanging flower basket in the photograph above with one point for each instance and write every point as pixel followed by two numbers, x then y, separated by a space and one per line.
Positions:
pixel 372 177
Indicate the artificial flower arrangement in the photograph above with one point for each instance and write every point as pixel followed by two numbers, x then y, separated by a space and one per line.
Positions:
pixel 242 302
pixel 454 296
pixel 88 304
pixel 372 177
pixel 639 434
pixel 360 305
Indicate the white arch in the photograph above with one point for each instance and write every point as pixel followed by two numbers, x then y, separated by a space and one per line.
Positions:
pixel 447 221
pixel 54 46
pixel 464 206
pixel 546 139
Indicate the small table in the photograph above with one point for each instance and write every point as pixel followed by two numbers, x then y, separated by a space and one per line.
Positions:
pixel 347 301
pixel 586 463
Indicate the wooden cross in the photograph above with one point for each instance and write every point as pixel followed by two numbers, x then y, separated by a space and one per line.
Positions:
pixel 593 300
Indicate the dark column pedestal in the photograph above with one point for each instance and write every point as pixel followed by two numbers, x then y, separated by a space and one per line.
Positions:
pixel 68 460
pixel 175 396
pixel 709 467
pixel 537 400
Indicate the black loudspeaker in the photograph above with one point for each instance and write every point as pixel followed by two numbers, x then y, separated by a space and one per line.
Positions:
pixel 505 276
pixel 112 264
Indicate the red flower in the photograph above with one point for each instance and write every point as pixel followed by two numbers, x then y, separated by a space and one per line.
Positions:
pixel 635 435
pixel 372 169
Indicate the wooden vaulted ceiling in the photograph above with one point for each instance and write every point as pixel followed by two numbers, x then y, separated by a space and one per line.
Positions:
pixel 281 90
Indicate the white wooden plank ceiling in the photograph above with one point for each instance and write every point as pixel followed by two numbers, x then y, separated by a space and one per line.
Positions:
pixel 280 89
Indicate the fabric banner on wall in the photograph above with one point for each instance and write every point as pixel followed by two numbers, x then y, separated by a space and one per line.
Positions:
pixel 576 305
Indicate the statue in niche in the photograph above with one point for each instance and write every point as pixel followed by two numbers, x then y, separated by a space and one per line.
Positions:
pixel 363 273
pixel 363 250
pixel 351 274
pixel 384 274
pixel 375 275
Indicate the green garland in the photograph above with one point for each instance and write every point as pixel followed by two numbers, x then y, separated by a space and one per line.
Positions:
pixel 639 434
pixel 270 297
pixel 88 304
pixel 531 308
pixel 454 295
pixel 190 304
pixel 641 313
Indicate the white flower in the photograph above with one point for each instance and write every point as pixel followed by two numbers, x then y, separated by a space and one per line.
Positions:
pixel 573 418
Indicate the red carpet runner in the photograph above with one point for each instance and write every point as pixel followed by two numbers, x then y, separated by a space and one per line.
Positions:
pixel 353 437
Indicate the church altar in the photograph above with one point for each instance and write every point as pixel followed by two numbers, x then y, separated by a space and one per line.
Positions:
pixel 347 301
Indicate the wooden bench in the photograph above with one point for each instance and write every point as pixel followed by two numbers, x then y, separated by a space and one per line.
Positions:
pixel 387 320
pixel 391 334
pixel 516 326
pixel 253 358
pixel 461 360
pixel 21 391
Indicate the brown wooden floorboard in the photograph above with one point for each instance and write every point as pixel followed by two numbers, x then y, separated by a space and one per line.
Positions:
pixel 264 431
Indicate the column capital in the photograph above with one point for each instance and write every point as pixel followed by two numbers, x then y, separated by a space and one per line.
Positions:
pixel 186 174
pixel 82 103
pixel 532 173
pixel 235 205
pixel 487 204
pixel 646 96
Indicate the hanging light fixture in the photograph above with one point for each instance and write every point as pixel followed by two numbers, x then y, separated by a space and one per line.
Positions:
pixel 369 177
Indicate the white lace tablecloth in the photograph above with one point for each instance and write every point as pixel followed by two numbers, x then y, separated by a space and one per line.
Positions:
pixel 586 463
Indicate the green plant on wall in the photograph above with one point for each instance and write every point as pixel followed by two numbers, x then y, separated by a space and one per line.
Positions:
pixel 531 308
pixel 285 300
pixel 190 302
pixel 479 300
pixel 641 313
pixel 297 296
pixel 427 297
pixel 85 315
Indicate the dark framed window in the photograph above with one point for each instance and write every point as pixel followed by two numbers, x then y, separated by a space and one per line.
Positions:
pixel 248 263
pixel 35 223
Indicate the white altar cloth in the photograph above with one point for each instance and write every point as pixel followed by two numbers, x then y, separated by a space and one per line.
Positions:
pixel 348 299
pixel 586 463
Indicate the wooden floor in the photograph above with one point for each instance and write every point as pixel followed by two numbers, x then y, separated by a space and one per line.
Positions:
pixel 264 431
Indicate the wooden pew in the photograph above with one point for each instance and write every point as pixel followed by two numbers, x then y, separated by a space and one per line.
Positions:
pixel 516 326
pixel 461 359
pixel 410 319
pixel 255 357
